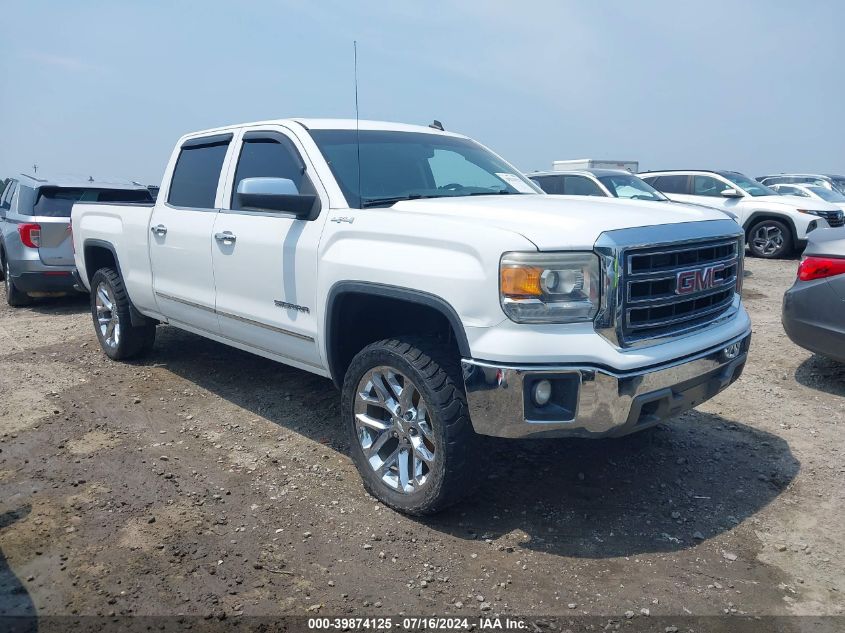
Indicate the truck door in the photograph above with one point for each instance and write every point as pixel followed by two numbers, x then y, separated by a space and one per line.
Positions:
pixel 180 234
pixel 265 262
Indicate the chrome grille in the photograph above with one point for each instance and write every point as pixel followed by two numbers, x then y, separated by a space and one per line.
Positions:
pixel 669 290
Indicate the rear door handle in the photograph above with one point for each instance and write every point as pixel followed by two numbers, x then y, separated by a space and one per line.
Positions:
pixel 226 237
pixel 159 229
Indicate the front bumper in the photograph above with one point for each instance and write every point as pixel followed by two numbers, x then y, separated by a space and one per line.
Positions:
pixel 593 401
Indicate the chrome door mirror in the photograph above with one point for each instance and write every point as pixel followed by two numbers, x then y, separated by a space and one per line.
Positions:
pixel 730 192
pixel 276 194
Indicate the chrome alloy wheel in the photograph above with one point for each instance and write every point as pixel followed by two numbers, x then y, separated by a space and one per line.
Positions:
pixel 7 278
pixel 393 427
pixel 767 239
pixel 107 319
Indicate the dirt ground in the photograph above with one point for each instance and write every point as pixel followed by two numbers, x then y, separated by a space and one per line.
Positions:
pixel 206 481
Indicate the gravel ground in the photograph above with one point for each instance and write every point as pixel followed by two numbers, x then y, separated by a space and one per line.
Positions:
pixel 203 480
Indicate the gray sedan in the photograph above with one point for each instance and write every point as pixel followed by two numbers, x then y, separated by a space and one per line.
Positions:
pixel 814 308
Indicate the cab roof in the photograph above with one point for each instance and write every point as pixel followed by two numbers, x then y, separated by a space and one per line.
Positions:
pixel 329 124
pixel 77 183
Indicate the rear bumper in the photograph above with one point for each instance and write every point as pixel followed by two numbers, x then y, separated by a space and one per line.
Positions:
pixel 813 317
pixel 594 401
pixel 60 280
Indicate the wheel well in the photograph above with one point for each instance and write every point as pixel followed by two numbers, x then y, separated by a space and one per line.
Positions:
pixel 97 257
pixel 756 218
pixel 356 319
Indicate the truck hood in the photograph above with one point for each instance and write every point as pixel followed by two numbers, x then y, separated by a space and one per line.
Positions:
pixel 793 202
pixel 558 222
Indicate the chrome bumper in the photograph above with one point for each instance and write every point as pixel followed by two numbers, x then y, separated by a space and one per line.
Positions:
pixel 593 401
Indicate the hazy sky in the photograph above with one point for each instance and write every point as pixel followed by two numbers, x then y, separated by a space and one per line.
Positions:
pixel 105 88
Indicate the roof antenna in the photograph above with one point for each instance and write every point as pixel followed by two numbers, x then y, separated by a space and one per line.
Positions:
pixel 437 125
pixel 357 127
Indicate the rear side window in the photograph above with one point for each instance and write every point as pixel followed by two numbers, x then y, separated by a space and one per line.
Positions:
pixel 550 184
pixel 580 186
pixel 671 184
pixel 58 201
pixel 270 157
pixel 195 177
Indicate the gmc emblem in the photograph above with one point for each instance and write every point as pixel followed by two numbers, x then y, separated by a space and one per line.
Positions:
pixel 689 281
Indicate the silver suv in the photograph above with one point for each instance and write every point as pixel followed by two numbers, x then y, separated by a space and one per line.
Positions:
pixel 36 250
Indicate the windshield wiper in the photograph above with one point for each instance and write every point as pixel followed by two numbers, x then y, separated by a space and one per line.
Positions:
pixel 501 192
pixel 375 202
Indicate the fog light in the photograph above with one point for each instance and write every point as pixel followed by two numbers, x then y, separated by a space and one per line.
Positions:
pixel 542 392
pixel 732 351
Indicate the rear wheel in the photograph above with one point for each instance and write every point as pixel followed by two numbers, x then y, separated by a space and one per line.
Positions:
pixel 770 239
pixel 410 434
pixel 112 321
pixel 14 297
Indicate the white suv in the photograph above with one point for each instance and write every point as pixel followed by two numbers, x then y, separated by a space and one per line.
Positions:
pixel 775 225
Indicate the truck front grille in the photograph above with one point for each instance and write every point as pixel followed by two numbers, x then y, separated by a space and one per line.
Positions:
pixel 669 290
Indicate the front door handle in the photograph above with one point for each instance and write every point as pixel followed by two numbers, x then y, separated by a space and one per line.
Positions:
pixel 226 237
pixel 159 229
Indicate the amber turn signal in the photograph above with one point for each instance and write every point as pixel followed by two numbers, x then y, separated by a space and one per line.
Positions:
pixel 521 281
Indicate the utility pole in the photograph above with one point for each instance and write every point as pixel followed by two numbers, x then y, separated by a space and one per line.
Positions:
pixel 35 168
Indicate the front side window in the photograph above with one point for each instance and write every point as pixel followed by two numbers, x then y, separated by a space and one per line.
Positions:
pixel 751 187
pixel 58 202
pixel 630 187
pixel 270 157
pixel 708 186
pixel 195 177
pixel 398 166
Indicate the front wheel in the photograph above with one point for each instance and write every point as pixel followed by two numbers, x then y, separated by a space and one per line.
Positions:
pixel 411 438
pixel 770 239
pixel 112 321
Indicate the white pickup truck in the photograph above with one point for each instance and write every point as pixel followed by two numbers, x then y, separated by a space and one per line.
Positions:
pixel 438 287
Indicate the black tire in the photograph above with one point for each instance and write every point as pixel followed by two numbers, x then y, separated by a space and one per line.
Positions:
pixel 434 369
pixel 770 239
pixel 14 297
pixel 132 341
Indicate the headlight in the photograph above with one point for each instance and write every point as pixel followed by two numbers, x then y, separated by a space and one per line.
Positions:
pixel 549 287
pixel 809 212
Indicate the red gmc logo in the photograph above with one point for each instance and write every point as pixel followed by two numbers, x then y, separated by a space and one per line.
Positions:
pixel 689 281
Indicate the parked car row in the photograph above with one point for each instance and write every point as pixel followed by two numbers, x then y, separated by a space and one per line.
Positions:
pixel 776 222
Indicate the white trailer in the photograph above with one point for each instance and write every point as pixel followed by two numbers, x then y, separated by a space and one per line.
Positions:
pixel 632 166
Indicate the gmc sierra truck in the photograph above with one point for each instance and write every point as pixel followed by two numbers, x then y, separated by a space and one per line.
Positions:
pixel 434 284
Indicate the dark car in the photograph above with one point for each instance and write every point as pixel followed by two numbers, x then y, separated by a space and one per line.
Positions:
pixel 814 307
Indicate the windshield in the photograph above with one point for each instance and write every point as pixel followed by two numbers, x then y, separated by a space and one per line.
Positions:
pixel 407 165
pixel 627 186
pixel 751 187
pixel 58 201
pixel 830 195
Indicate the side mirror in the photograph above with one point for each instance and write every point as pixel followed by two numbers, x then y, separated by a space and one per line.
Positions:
pixel 731 193
pixel 276 194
